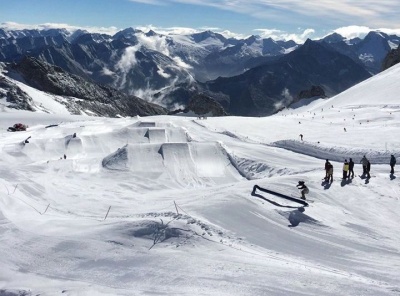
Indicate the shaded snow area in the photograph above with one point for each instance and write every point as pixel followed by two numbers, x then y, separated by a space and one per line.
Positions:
pixel 163 205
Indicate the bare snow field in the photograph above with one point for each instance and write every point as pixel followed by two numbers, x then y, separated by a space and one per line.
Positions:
pixel 163 206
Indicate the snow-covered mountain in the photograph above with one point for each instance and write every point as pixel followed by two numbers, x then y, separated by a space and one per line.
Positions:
pixel 170 69
pixel 35 85
pixel 140 63
pixel 164 205
pixel 265 89
pixel 370 51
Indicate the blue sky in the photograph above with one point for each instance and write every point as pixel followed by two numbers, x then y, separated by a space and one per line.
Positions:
pixel 244 17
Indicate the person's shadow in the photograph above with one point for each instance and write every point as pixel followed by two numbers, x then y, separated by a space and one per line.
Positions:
pixel 298 216
pixel 326 184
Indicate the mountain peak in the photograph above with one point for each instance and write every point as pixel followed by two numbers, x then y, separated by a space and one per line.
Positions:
pixel 127 33
pixel 151 33
pixel 333 38
pixel 199 37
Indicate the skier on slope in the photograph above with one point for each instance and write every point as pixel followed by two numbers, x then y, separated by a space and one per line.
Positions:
pixel 304 189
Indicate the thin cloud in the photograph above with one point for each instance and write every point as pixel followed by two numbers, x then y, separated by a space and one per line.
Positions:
pixel 351 32
pixel 336 12
pixel 276 34
pixel 189 31
pixel 47 26
pixel 168 30
pixel 151 2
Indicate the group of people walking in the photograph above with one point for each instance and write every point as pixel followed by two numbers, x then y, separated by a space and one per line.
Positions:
pixel 348 168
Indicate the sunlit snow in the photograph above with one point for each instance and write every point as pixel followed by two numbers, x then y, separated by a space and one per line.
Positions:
pixel 163 206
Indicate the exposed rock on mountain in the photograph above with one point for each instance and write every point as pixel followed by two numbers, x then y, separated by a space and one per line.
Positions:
pixel 391 59
pixel 15 97
pixel 314 91
pixel 81 94
pixel 171 69
pixel 202 104
pixel 265 89
pixel 369 51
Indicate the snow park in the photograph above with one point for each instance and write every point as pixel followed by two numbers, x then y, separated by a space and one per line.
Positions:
pixel 177 205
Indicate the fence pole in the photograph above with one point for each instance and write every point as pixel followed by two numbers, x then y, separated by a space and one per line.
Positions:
pixel 176 207
pixel 107 213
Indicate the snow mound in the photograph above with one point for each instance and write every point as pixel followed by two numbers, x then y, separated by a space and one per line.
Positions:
pixel 141 134
pixel 153 124
pixel 187 163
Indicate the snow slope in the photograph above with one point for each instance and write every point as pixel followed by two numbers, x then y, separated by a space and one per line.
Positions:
pixel 163 206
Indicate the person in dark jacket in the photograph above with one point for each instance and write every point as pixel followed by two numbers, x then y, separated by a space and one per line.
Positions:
pixel 392 163
pixel 364 162
pixel 326 169
pixel 351 169
pixel 368 169
pixel 330 173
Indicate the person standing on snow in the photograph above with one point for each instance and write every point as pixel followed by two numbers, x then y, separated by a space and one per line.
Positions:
pixel 364 162
pixel 330 173
pixel 345 169
pixel 326 169
pixel 304 189
pixel 392 163
pixel 351 169
pixel 368 169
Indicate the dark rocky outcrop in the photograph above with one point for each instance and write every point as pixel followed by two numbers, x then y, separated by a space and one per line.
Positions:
pixel 392 58
pixel 202 104
pixel 314 91
pixel 81 94
pixel 265 89
pixel 17 98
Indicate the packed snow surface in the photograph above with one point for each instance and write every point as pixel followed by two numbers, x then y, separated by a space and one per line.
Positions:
pixel 163 205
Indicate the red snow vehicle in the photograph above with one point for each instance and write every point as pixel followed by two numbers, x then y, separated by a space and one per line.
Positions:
pixel 18 127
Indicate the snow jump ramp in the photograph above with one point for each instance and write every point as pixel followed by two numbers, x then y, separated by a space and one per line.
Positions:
pixel 186 163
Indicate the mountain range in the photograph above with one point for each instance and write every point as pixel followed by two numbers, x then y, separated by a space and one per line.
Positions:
pixel 251 76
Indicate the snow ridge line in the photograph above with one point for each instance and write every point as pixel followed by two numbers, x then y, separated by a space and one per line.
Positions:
pixel 335 153
pixel 233 161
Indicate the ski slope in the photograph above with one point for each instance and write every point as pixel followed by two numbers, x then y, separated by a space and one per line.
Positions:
pixel 162 205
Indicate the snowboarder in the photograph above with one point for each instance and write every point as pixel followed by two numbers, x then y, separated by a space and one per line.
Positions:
pixel 345 169
pixel 74 135
pixel 301 137
pixel 392 164
pixel 65 156
pixel 304 189
pixel 364 162
pixel 351 169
